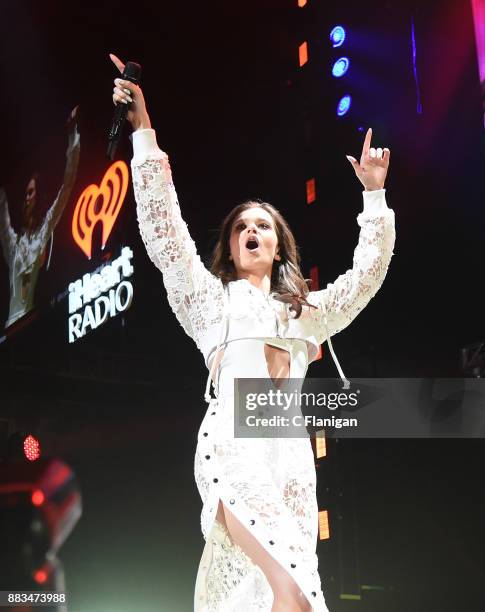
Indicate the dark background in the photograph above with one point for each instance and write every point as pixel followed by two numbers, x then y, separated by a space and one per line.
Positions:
pixel 239 120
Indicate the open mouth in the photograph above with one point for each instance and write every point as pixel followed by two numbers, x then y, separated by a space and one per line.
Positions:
pixel 252 244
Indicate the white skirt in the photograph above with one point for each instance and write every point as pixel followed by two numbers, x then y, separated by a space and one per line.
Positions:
pixel 270 487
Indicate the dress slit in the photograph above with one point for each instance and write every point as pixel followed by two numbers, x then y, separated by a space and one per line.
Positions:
pixel 223 562
pixel 221 551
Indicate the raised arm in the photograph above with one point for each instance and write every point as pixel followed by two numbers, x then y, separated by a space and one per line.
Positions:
pixel 8 237
pixel 54 213
pixel 194 294
pixel 342 300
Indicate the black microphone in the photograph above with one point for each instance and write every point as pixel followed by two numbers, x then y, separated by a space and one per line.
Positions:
pixel 131 72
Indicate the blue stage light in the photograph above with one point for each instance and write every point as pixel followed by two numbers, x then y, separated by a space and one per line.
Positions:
pixel 337 36
pixel 344 105
pixel 340 67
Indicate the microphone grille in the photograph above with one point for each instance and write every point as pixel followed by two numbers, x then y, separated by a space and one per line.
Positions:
pixel 132 71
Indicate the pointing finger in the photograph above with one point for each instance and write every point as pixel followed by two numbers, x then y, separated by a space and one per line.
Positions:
pixel 117 62
pixel 366 147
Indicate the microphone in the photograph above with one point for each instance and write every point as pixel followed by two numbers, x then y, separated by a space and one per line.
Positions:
pixel 131 72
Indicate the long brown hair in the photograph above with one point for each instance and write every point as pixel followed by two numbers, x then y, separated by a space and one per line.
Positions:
pixel 287 282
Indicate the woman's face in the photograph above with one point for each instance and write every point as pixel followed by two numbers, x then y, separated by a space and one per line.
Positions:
pixel 30 200
pixel 253 242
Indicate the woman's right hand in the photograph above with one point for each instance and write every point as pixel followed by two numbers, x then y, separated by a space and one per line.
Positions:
pixel 125 92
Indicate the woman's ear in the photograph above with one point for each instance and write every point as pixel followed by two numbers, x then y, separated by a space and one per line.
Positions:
pixel 277 254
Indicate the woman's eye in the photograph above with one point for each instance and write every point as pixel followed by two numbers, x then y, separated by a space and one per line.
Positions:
pixel 265 225
pixel 240 226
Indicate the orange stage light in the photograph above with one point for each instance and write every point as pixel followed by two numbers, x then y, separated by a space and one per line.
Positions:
pixel 320 445
pixel 323 526
pixel 303 53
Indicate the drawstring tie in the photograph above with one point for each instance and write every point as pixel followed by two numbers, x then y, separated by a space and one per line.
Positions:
pixel 225 317
pixel 334 356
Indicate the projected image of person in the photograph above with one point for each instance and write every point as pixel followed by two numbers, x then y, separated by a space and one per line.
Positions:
pixel 252 315
pixel 25 252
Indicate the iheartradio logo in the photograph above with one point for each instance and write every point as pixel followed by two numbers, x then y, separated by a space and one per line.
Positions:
pixel 100 203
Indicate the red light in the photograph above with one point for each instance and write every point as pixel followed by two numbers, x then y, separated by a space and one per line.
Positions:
pixel 38 497
pixel 310 191
pixel 31 448
pixel 40 576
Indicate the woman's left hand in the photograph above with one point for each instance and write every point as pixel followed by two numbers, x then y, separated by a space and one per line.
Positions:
pixel 372 169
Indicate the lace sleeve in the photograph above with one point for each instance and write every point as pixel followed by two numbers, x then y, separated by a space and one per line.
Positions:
pixel 342 300
pixel 194 294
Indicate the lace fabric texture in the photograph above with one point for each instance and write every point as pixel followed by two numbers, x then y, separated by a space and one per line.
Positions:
pixel 196 296
pixel 231 571
pixel 269 484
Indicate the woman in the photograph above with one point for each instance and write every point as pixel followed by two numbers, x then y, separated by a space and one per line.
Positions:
pixel 252 316
pixel 25 252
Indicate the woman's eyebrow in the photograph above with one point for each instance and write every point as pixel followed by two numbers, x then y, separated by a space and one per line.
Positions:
pixel 257 220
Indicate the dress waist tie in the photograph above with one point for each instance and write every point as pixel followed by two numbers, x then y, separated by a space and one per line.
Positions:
pixel 225 318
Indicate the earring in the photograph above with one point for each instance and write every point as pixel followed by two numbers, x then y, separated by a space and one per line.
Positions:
pixel 277 258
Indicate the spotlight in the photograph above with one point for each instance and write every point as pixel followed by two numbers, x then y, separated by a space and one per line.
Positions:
pixel 344 106
pixel 40 503
pixel 340 67
pixel 337 36
pixel 23 446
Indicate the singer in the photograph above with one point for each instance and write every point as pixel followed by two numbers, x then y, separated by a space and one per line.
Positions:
pixel 252 316
pixel 24 252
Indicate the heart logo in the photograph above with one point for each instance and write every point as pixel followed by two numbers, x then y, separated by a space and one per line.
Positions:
pixel 100 203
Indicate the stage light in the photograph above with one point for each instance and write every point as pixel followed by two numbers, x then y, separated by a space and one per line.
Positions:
pixel 38 497
pixel 40 503
pixel 323 525
pixel 311 194
pixel 320 445
pixel 344 106
pixel 40 576
pixel 303 54
pixel 23 446
pixel 337 36
pixel 340 67
pixel 31 448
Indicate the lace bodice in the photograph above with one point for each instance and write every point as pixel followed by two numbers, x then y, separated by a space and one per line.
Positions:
pixel 197 297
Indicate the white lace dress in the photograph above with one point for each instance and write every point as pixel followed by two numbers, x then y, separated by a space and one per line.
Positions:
pixel 268 484
pixel 23 251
